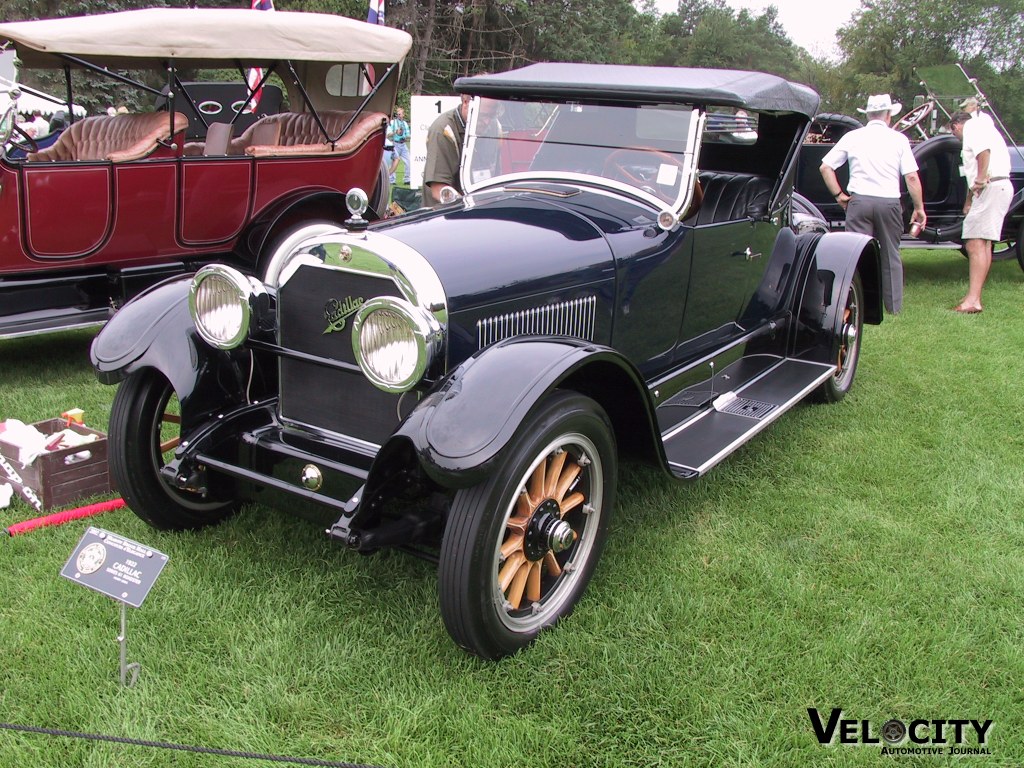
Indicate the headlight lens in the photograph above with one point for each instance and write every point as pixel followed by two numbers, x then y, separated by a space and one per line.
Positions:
pixel 394 342
pixel 221 300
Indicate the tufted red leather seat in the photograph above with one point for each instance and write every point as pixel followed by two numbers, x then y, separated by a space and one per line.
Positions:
pixel 117 138
pixel 299 134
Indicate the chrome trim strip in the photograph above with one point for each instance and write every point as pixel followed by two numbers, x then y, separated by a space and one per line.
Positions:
pixel 576 318
pixel 759 425
pixel 348 442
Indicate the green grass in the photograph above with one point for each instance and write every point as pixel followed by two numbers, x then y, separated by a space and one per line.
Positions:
pixel 865 555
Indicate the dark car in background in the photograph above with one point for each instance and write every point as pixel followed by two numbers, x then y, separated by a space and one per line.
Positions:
pixel 938 157
pixel 621 278
pixel 112 204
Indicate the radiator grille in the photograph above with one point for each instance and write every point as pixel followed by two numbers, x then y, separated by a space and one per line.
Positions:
pixel 319 395
pixel 567 318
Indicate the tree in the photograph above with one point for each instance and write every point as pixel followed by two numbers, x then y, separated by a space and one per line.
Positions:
pixel 707 33
pixel 887 40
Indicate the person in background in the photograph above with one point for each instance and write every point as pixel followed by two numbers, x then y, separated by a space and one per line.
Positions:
pixel 445 139
pixel 878 156
pixel 986 164
pixel 59 121
pixel 444 152
pixel 398 133
pixel 971 106
pixel 41 124
pixel 27 126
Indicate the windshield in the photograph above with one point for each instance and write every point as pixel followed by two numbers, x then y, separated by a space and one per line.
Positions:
pixel 647 149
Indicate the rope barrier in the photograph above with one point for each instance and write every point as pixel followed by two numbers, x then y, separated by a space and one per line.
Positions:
pixel 179 747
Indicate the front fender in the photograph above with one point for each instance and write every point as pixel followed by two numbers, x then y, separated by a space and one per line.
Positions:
pixel 158 315
pixel 155 330
pixel 459 430
pixel 834 261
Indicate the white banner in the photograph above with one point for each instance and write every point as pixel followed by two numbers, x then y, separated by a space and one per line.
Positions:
pixel 423 110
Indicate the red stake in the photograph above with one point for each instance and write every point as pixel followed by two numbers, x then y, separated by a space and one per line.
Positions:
pixel 57 518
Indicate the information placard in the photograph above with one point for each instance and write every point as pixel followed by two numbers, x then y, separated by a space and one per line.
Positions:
pixel 115 566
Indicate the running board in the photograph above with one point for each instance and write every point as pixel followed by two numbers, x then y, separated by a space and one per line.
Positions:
pixel 53 321
pixel 732 418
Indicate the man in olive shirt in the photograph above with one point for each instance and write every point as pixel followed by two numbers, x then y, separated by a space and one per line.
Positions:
pixel 444 152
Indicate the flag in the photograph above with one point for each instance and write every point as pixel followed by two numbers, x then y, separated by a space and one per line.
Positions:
pixel 256 73
pixel 375 15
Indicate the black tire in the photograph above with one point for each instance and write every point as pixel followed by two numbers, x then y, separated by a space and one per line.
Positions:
pixel 848 336
pixel 498 531
pixel 1020 245
pixel 140 419
pixel 381 195
pixel 1002 250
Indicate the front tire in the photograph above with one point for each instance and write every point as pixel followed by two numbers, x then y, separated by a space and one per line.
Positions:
pixel 847 345
pixel 144 431
pixel 520 548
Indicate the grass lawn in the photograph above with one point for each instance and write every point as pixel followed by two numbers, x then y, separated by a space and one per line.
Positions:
pixel 866 555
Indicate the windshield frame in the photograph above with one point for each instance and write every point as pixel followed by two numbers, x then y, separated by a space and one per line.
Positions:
pixel 687 160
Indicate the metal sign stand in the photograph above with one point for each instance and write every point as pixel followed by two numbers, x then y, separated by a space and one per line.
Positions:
pixel 134 668
pixel 119 568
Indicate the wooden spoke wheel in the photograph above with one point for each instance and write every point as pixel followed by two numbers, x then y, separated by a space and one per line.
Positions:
pixel 519 548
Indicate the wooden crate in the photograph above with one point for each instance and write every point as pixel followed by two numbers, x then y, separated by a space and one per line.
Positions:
pixel 50 481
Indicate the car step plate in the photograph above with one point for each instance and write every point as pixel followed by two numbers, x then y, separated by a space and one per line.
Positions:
pixel 734 418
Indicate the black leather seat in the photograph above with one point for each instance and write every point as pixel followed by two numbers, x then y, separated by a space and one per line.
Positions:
pixel 731 197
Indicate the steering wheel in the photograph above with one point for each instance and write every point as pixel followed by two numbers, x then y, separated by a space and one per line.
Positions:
pixel 615 165
pixel 913 117
pixel 25 143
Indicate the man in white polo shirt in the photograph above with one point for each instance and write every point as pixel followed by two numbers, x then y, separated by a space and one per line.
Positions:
pixel 878 156
pixel 986 164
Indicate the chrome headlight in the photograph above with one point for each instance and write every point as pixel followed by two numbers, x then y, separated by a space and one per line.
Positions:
pixel 221 301
pixel 394 342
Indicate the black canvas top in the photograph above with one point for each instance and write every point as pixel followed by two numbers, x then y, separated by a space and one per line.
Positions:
pixel 619 82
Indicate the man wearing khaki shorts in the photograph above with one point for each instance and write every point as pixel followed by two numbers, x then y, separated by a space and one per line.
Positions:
pixel 986 164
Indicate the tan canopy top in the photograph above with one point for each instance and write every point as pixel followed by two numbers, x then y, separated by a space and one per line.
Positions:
pixel 203 38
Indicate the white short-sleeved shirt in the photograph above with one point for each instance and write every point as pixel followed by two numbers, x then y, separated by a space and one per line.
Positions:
pixel 878 157
pixel 980 135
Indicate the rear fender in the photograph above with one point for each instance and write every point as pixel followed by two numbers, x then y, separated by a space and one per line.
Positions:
pixel 461 429
pixel 289 212
pixel 833 262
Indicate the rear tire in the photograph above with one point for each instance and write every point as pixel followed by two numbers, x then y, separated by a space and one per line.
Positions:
pixel 848 335
pixel 381 195
pixel 144 430
pixel 1020 245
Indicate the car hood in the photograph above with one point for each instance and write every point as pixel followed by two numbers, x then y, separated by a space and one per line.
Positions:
pixel 496 246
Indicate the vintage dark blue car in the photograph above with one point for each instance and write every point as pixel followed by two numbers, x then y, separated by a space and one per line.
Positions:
pixel 619 278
